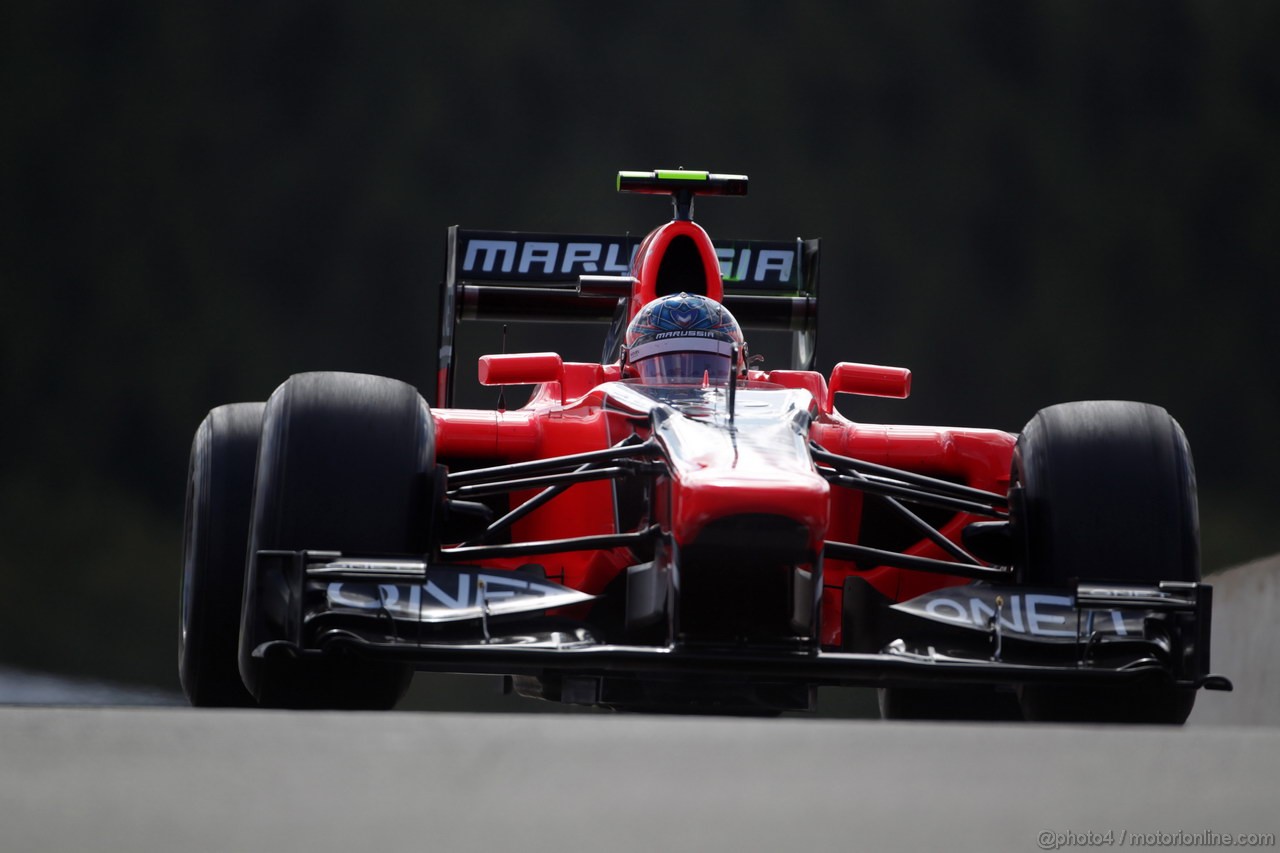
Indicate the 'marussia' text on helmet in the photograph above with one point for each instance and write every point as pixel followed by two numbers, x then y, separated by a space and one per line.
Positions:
pixel 682 339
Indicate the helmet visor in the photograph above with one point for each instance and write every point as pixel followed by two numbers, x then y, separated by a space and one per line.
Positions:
pixel 685 368
pixel 683 360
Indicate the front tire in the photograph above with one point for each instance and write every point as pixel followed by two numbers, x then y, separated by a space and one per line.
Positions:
pixel 1105 491
pixel 346 464
pixel 215 535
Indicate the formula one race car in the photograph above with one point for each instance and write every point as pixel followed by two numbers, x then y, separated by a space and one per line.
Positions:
pixel 672 529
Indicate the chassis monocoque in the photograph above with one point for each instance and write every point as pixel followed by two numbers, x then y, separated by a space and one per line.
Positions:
pixel 710 547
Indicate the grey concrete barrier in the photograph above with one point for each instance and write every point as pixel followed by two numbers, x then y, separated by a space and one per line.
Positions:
pixel 1245 647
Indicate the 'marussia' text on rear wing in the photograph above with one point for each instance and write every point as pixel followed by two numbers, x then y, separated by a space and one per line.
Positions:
pixel 513 276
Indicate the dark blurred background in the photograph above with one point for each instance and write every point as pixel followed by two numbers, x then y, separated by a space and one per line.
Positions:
pixel 1024 202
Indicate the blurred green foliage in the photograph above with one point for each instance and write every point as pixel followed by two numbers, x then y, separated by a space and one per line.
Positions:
pixel 1025 202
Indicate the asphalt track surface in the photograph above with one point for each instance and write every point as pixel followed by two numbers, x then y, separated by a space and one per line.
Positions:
pixel 174 779
pixel 78 775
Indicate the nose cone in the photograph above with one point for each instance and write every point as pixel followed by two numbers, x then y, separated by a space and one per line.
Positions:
pixel 757 466
pixel 728 498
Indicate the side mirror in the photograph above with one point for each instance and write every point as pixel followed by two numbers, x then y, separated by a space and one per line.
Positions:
pixel 526 368
pixel 867 380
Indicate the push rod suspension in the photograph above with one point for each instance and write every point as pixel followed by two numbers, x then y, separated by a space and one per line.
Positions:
pixel 932 484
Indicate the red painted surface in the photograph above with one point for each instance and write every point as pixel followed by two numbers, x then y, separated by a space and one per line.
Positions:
pixel 653 249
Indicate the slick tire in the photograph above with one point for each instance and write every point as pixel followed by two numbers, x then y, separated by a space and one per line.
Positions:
pixel 1105 490
pixel 346 464
pixel 215 535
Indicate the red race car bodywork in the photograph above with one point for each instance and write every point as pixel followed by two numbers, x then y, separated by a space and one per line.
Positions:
pixel 579 412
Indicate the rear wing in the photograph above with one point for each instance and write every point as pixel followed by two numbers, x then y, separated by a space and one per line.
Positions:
pixel 514 276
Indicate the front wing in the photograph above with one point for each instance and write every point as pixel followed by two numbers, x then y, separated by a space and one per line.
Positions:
pixel 468 619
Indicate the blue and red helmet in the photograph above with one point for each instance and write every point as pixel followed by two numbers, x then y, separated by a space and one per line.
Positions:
pixel 681 339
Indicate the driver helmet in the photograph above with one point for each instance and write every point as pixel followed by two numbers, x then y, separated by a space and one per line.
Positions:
pixel 681 339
